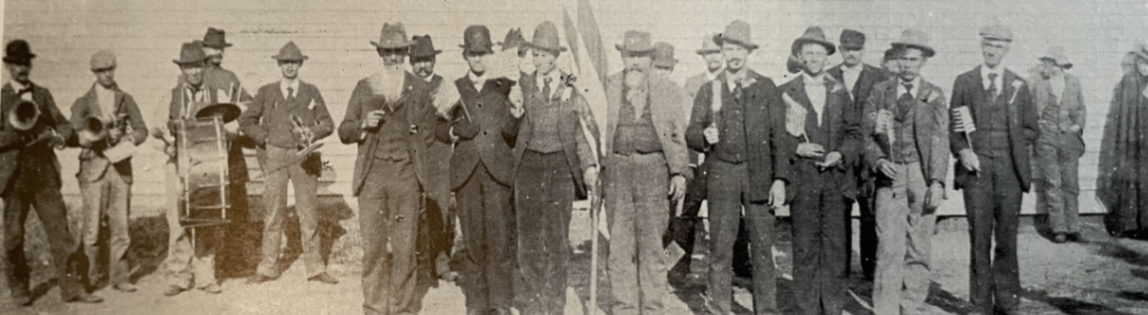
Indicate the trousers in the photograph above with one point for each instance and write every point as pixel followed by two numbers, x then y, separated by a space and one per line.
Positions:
pixel 304 176
pixel 107 196
pixel 904 230
pixel 637 195
pixel 818 243
pixel 486 217
pixel 728 193
pixel 543 196
pixel 187 264
pixel 1057 159
pixel 992 203
pixel 388 219
pixel 37 187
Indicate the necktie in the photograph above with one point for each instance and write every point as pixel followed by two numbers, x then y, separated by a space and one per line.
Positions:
pixel 546 88
pixel 290 94
pixel 993 86
pixel 905 102
pixel 737 91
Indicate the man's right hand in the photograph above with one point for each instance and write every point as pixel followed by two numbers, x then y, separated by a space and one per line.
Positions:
pixel 465 130
pixel 374 118
pixel 886 167
pixel 810 150
pixel 969 160
pixel 711 134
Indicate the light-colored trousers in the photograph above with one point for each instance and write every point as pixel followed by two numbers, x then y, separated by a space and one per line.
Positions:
pixel 185 264
pixel 109 195
pixel 1058 160
pixel 306 183
pixel 904 233
pixel 637 196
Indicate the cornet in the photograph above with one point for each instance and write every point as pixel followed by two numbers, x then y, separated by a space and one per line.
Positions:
pixel 24 115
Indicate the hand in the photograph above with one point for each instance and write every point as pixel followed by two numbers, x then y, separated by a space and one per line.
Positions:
pixel 590 177
pixel 465 129
pixel 374 118
pixel 1074 128
pixel 887 168
pixel 711 134
pixel 810 150
pixel 777 193
pixel 453 201
pixel 516 101
pixel 517 111
pixel 114 134
pixel 677 187
pixel 934 197
pixel 969 160
pixel 232 127
pixel 831 160
pixel 169 150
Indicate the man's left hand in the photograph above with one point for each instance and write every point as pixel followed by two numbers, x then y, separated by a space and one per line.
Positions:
pixel 590 177
pixel 934 196
pixel 677 187
pixel 831 160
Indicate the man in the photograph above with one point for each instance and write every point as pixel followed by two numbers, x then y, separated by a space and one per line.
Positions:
pixel 1120 185
pixel 484 127
pixel 514 40
pixel 664 60
pixel 387 118
pixel 30 178
pixel 741 129
pixel 828 146
pixel 859 79
pixel 285 119
pixel 905 128
pixel 1001 106
pixel 1059 101
pixel 552 158
pixel 105 185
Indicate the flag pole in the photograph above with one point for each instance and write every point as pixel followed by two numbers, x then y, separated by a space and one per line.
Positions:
pixel 594 202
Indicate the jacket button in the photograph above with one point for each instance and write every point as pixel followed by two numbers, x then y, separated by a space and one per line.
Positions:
pixel 484 133
pixel 479 105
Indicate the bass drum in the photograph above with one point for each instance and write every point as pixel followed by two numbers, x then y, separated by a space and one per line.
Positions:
pixel 203 168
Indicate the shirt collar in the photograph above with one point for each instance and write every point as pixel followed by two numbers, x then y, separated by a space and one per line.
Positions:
pixel 916 86
pixel 710 76
pixel 812 80
pixel 429 78
pixel 476 79
pixel 732 79
pixel 16 85
pixel 285 83
pixel 986 70
pixel 856 68
pixel 554 75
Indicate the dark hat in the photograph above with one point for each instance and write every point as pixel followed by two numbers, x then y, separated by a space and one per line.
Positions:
pixel 664 55
pixel 813 35
pixel 289 52
pixel 737 32
pixel 546 38
pixel 392 36
pixel 227 111
pixel 914 38
pixel 891 53
pixel 190 53
pixel 514 39
pixel 215 38
pixel 1141 51
pixel 635 41
pixel 997 32
pixel 476 38
pixel 852 39
pixel 708 45
pixel 423 47
pixel 18 51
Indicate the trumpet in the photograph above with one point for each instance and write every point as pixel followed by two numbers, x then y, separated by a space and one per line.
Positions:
pixel 24 115
pixel 304 134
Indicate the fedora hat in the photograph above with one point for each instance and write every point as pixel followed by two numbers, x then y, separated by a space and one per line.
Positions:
pixel 423 47
pixel 738 33
pixel 289 52
pixel 708 45
pixel 190 53
pixel 18 51
pixel 546 38
pixel 813 35
pixel 215 38
pixel 997 32
pixel 392 36
pixel 514 39
pixel 103 59
pixel 635 41
pixel 852 39
pixel 1057 55
pixel 664 55
pixel 476 38
pixel 914 38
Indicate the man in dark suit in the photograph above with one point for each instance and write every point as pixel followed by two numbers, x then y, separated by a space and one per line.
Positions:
pixel 107 192
pixel 485 127
pixel 994 168
pixel 859 78
pixel 30 177
pixel 741 131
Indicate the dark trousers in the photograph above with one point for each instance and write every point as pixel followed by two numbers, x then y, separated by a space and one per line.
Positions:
pixel 543 196
pixel 992 203
pixel 304 176
pixel 683 228
pixel 485 215
pixel 818 243
pixel 388 218
pixel 728 193
pixel 867 236
pixel 37 188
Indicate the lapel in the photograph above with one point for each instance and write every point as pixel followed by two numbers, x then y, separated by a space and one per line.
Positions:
pixel 856 88
pixel 797 92
pixel 1007 87
pixel 93 102
pixel 979 96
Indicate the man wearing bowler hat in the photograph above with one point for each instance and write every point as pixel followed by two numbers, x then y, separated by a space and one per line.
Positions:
pixel 105 184
pixel 738 120
pixel 285 119
pixel 387 117
pixel 994 168
pixel 30 178
pixel 1060 103
pixel 484 125
pixel 859 79
pixel 905 126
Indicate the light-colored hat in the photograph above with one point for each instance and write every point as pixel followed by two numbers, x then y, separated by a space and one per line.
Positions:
pixel 737 32
pixel 997 32
pixel 914 38
pixel 392 36
pixel 664 55
pixel 546 38
pixel 289 52
pixel 103 59
pixel 1057 55
pixel 709 46
pixel 636 41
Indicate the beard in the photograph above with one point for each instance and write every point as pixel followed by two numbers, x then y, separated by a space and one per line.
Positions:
pixel 634 78
pixel 424 72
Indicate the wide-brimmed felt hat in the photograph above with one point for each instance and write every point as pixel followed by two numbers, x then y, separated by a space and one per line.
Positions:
pixel 997 32
pixel 1058 56
pixel 708 45
pixel 737 32
pixel 392 36
pixel 914 38
pixel 190 53
pixel 514 39
pixel 215 38
pixel 546 38
pixel 636 41
pixel 103 59
pixel 813 35
pixel 852 39
pixel 227 111
pixel 423 47
pixel 664 55
pixel 476 38
pixel 18 51
pixel 289 52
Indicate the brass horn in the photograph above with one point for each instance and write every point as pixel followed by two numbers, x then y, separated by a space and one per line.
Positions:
pixel 24 115
pixel 92 130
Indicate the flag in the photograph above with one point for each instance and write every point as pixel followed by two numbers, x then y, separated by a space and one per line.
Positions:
pixel 794 116
pixel 587 62
pixel 964 120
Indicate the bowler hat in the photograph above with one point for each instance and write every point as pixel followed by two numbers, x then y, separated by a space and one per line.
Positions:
pixel 546 38
pixel 215 38
pixel 514 39
pixel 635 41
pixel 813 35
pixel 18 51
pixel 708 45
pixel 997 32
pixel 914 38
pixel 1057 55
pixel 476 38
pixel 103 59
pixel 737 32
pixel 190 53
pixel 289 52
pixel 392 36
pixel 423 47
pixel 664 55
pixel 852 39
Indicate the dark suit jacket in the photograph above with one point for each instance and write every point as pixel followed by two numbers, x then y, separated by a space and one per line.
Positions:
pixel 765 130
pixel 268 119
pixel 419 112
pixel 930 127
pixel 840 131
pixel 860 90
pixel 576 148
pixel 497 132
pixel 39 160
pixel 969 90
pixel 92 162
pixel 438 157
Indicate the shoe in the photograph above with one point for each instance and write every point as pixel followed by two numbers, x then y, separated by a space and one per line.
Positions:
pixel 1059 238
pixel 125 287
pixel 258 278
pixel 86 299
pixel 21 300
pixel 324 278
pixel 212 289
pixel 172 291
pixel 1076 238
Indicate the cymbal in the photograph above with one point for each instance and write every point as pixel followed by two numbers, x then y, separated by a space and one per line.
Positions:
pixel 228 111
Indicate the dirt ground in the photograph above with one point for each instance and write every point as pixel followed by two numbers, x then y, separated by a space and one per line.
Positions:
pixel 1104 276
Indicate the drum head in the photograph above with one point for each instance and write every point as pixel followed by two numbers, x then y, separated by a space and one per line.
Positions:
pixel 227 111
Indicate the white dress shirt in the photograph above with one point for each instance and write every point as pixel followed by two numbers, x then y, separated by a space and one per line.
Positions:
pixel 18 86
pixel 999 82
pixel 105 99
pixel 851 74
pixel 815 90
pixel 478 80
pixel 285 83
pixel 554 75
pixel 914 92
